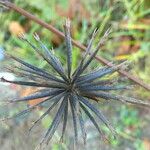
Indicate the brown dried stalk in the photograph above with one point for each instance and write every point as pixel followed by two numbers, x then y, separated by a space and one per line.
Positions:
pixel 76 43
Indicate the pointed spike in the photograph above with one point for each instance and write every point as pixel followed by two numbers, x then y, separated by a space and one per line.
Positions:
pixel 82 125
pixel 24 83
pixel 69 46
pixel 92 119
pixel 74 116
pixel 97 73
pixel 100 72
pixel 35 84
pixel 44 114
pixel 58 121
pixel 131 100
pixel 102 88
pixel 18 115
pixel 101 42
pixel 120 98
pixel 56 97
pixel 22 36
pixel 37 95
pixel 98 113
pixel 50 58
pixel 36 36
pixel 78 70
pixel 52 63
pixel 35 69
pixel 48 135
pixel 65 121
pixel 102 82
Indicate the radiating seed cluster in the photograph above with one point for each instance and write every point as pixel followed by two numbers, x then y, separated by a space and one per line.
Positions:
pixel 72 88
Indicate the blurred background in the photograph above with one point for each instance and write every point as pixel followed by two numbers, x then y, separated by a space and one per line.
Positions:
pixel 130 40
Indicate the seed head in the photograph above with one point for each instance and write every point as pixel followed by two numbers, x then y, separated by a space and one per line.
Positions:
pixel 69 87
